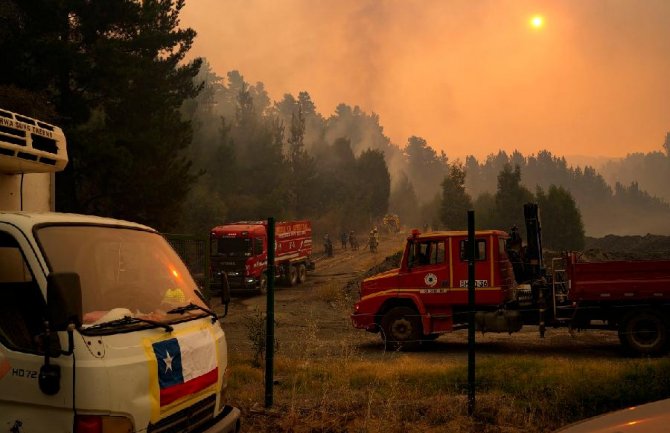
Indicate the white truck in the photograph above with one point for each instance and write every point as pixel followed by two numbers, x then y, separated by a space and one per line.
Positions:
pixel 102 328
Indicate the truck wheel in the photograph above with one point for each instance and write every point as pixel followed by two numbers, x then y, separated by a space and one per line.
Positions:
pixel 302 273
pixel 401 329
pixel 644 333
pixel 292 277
pixel 263 285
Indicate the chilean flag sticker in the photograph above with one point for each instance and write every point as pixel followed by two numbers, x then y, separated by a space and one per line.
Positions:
pixel 186 365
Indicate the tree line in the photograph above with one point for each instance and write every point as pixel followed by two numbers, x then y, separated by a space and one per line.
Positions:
pixel 622 208
pixel 168 142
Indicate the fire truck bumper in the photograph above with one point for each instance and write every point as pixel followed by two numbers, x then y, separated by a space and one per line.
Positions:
pixel 239 282
pixel 364 321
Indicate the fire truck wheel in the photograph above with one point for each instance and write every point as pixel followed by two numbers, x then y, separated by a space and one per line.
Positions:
pixel 302 273
pixel 263 285
pixel 401 329
pixel 644 333
pixel 292 277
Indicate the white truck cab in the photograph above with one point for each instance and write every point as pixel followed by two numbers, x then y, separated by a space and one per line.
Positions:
pixel 102 328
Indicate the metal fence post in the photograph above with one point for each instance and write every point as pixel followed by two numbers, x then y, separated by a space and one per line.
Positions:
pixel 270 315
pixel 472 249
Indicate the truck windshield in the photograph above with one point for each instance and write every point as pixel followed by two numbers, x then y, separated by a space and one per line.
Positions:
pixel 232 247
pixel 123 272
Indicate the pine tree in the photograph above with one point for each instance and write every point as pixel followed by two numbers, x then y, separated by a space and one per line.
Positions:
pixel 115 73
pixel 374 185
pixel 455 201
pixel 404 203
pixel 562 226
pixel 303 179
pixel 509 199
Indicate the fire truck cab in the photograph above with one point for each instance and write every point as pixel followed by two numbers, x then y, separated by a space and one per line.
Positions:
pixel 427 295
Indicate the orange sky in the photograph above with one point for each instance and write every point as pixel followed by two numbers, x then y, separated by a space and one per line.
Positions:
pixel 470 76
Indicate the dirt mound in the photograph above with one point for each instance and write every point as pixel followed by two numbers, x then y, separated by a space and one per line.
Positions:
pixel 612 247
pixel 390 262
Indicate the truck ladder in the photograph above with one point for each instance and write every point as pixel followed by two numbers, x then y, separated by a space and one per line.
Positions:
pixel 559 286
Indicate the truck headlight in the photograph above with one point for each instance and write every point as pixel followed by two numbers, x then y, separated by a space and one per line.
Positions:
pixel 102 424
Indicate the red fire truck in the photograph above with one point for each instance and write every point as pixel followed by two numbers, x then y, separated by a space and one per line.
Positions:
pixel 428 294
pixel 240 251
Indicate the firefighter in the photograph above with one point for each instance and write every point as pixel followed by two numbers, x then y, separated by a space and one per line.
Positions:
pixel 343 239
pixel 352 241
pixel 328 245
pixel 372 240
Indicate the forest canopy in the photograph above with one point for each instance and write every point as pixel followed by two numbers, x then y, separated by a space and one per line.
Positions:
pixel 160 139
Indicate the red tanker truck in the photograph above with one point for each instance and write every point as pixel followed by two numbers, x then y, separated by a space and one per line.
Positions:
pixel 428 294
pixel 240 251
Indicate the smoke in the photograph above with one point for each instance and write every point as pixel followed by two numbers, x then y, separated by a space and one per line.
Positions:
pixel 470 77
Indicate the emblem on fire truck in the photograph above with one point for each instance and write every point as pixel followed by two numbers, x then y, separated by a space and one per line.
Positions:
pixel 430 279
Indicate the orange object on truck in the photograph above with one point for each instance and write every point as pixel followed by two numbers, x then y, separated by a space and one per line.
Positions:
pixel 428 294
pixel 240 249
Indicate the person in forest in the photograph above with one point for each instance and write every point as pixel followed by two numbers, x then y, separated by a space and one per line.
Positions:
pixel 343 238
pixel 352 241
pixel 372 240
pixel 328 245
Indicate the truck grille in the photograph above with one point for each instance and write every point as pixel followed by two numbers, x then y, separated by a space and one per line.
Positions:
pixel 193 419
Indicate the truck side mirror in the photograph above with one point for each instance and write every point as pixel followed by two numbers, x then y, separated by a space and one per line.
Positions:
pixel 63 300
pixel 50 343
pixel 49 377
pixel 63 311
pixel 225 292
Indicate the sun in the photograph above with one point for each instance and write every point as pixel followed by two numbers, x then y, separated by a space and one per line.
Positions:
pixel 537 21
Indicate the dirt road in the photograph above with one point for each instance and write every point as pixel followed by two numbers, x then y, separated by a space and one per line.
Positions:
pixel 319 305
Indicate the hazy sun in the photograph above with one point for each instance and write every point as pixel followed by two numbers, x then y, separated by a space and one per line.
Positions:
pixel 537 21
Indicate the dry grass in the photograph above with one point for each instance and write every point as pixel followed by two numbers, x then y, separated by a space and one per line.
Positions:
pixel 329 381
pixel 331 293
pixel 343 392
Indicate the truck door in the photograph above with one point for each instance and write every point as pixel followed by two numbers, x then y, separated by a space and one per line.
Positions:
pixel 428 270
pixel 23 407
pixel 484 283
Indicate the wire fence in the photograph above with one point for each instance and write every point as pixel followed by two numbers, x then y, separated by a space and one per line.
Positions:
pixel 195 252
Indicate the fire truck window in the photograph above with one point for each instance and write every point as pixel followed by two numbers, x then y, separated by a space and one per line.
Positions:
pixel 423 256
pixel 22 302
pixel 427 253
pixel 234 247
pixel 501 247
pixel 416 255
pixel 439 255
pixel 480 249
pixel 258 246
